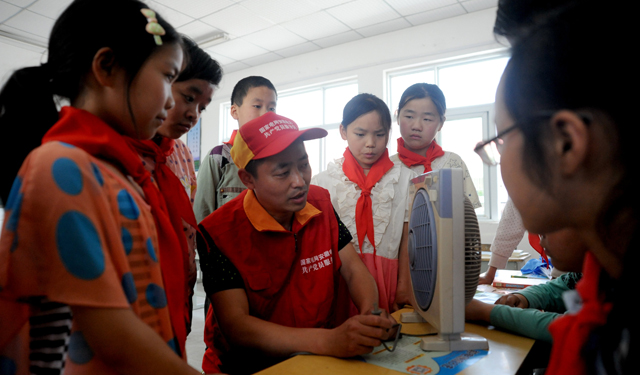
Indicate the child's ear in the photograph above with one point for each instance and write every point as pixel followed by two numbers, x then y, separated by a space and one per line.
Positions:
pixel 442 123
pixel 234 111
pixel 247 179
pixel 570 139
pixel 103 66
pixel 343 132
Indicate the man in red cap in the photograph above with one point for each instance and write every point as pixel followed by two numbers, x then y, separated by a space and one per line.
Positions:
pixel 276 257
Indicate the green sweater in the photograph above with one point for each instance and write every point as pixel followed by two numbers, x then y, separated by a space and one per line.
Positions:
pixel 532 322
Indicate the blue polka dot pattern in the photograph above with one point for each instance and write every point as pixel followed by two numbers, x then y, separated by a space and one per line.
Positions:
pixel 97 174
pixel 129 287
pixel 127 241
pixel 79 246
pixel 156 296
pixel 127 206
pixel 67 176
pixel 14 244
pixel 79 350
pixel 173 344
pixel 14 204
pixel 7 366
pixel 151 250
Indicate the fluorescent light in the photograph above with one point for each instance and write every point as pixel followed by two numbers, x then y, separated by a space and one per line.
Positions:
pixel 213 40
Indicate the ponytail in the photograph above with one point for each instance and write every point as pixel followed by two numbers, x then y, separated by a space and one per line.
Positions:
pixel 27 111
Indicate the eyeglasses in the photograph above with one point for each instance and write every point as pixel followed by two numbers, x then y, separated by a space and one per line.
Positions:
pixel 489 151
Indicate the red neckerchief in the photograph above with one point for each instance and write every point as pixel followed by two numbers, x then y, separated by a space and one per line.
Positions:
pixel 410 158
pixel 177 201
pixel 88 132
pixel 534 241
pixel 355 174
pixel 571 332
pixel 233 138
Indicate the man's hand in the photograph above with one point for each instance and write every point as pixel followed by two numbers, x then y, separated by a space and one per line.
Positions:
pixel 358 335
pixel 513 300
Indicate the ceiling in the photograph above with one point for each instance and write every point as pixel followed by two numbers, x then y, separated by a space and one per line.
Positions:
pixel 257 31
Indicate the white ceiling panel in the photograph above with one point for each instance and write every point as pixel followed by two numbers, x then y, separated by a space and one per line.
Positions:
pixel 281 10
pixel 298 50
pixel 238 49
pixel 384 27
pixel 7 11
pixel 262 59
pixel 198 30
pixel 436 14
pixel 222 60
pixel 31 23
pixel 361 13
pixel 50 8
pixel 325 4
pixel 237 21
pixel 316 26
pixel 176 19
pixel 475 5
pixel 20 3
pixel 235 66
pixel 260 31
pixel 338 39
pixel 197 8
pixel 23 36
pixel 408 7
pixel 274 38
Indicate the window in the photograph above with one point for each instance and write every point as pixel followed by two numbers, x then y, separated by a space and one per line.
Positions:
pixel 318 106
pixel 469 87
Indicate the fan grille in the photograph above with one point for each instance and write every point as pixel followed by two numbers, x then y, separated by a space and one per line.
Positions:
pixel 423 249
pixel 473 250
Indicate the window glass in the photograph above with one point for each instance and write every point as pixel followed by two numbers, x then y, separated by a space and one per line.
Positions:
pixel 335 98
pixel 229 124
pixel 335 145
pixel 471 84
pixel 304 108
pixel 460 136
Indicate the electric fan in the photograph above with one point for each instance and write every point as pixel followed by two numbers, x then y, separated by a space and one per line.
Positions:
pixel 444 259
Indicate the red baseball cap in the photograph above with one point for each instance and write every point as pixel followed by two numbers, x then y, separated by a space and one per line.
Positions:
pixel 266 136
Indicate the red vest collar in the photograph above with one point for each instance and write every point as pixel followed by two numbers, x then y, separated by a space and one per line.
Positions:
pixel 263 221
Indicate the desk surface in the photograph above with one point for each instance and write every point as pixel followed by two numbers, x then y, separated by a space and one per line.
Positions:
pixel 506 354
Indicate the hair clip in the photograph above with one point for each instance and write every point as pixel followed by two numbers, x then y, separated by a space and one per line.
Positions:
pixel 153 27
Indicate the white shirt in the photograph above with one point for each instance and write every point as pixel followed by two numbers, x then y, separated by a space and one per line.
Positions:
pixel 389 203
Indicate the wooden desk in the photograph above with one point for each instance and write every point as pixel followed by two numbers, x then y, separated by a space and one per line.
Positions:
pixel 506 354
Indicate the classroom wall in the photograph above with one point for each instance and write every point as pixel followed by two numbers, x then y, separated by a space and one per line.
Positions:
pixel 367 60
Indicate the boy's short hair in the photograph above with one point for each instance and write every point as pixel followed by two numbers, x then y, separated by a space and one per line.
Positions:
pixel 242 88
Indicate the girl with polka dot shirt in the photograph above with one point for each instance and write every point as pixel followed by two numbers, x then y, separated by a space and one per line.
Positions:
pixel 86 231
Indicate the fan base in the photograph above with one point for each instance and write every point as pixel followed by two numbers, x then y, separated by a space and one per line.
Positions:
pixel 449 343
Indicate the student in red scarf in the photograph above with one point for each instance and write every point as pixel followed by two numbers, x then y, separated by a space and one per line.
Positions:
pixel 86 230
pixel 369 191
pixel 170 161
pixel 420 117
pixel 568 153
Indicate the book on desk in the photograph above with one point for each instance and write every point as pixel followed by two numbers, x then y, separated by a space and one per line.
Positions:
pixel 508 279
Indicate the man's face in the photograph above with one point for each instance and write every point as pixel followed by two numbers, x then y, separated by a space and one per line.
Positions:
pixel 282 182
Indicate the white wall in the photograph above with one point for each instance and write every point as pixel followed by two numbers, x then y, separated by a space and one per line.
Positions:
pixel 16 55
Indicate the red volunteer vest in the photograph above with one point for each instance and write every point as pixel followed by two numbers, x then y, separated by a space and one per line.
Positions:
pixel 291 277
